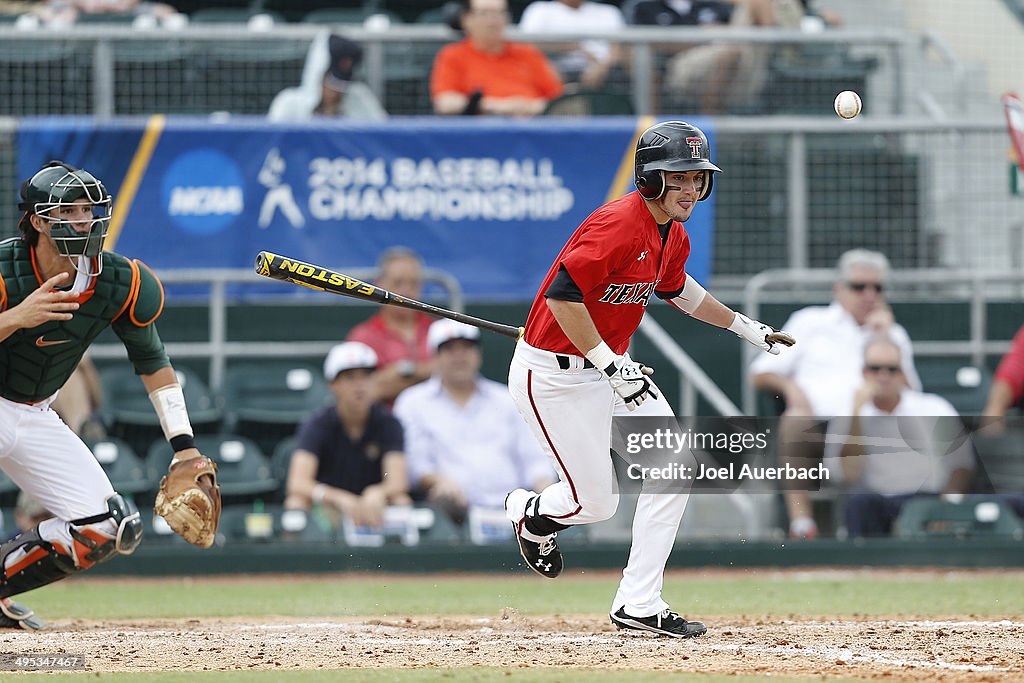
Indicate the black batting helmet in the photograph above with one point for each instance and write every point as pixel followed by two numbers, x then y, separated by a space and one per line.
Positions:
pixel 671 146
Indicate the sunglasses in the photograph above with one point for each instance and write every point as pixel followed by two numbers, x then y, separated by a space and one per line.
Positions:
pixel 861 286
pixel 888 368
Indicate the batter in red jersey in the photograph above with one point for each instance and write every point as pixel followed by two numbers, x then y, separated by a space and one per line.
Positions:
pixel 571 373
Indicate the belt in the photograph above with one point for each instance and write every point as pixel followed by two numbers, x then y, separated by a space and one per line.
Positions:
pixel 564 363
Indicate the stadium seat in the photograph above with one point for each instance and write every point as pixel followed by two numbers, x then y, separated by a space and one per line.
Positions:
pixel 347 15
pixel 231 15
pixel 975 516
pixel 259 523
pixel 281 459
pixel 800 84
pixel 128 411
pixel 154 78
pixel 8 491
pixel 1001 459
pixel 244 76
pixel 243 471
pixel 591 102
pixel 267 400
pixel 956 379
pixel 118 18
pixel 127 473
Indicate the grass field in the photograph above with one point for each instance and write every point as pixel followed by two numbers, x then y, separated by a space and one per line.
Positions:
pixel 750 592
pixel 345 621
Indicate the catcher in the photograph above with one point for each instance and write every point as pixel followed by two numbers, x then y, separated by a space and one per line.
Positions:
pixel 58 291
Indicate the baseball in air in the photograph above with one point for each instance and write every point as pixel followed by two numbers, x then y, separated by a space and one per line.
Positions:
pixel 847 104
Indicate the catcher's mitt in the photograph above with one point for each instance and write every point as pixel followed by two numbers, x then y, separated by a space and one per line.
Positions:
pixel 189 506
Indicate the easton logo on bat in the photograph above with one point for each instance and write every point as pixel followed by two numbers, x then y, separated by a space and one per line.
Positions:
pixel 323 275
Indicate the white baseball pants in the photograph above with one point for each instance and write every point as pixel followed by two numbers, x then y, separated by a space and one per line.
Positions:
pixel 570 412
pixel 50 463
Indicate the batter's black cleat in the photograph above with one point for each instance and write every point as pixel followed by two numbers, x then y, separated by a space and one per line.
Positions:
pixel 542 556
pixel 665 623
pixel 16 615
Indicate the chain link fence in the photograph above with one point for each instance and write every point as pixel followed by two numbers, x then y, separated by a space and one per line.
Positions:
pixel 111 70
pixel 797 190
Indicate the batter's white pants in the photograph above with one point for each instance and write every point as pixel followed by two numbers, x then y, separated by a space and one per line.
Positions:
pixel 50 463
pixel 570 412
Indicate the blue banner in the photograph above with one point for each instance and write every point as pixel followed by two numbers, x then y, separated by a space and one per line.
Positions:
pixel 490 201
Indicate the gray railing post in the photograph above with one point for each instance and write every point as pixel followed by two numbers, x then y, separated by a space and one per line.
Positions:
pixel 103 79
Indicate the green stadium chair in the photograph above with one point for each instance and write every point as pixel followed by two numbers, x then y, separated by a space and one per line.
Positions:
pixel 268 399
pixel 156 531
pixel 270 523
pixel 346 15
pixel 116 18
pixel 231 15
pixel 126 471
pixel 128 411
pixel 975 516
pixel 243 471
pixel 591 102
pixel 1001 459
pixel 154 78
pixel 8 492
pixel 243 77
pixel 956 379
pixel 281 459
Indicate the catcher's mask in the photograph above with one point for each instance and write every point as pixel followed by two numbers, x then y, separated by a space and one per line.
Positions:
pixel 671 146
pixel 58 185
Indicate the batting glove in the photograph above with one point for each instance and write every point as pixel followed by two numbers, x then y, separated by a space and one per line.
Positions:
pixel 630 380
pixel 764 337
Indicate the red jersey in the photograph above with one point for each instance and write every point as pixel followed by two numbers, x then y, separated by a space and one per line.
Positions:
pixel 1011 367
pixel 390 346
pixel 617 259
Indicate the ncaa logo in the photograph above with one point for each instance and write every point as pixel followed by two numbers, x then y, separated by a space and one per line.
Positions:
pixel 202 191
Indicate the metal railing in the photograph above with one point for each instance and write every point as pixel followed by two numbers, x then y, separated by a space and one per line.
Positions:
pixel 410 48
pixel 810 287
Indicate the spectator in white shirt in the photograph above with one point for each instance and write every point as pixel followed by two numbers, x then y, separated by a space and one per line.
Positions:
pixel 895 444
pixel 822 372
pixel 588 62
pixel 465 443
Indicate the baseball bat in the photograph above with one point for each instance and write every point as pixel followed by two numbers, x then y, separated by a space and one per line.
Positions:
pixel 323 279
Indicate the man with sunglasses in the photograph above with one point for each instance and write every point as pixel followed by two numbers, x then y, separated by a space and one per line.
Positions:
pixel 894 443
pixel 820 375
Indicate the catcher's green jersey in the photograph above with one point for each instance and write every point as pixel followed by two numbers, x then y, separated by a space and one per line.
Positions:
pixel 36 362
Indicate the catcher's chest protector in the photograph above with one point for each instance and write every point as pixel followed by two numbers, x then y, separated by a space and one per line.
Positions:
pixel 36 362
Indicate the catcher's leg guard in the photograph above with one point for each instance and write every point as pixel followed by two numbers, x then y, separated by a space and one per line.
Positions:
pixel 29 560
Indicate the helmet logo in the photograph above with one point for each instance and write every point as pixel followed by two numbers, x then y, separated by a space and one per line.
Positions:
pixel 695 145
pixel 656 139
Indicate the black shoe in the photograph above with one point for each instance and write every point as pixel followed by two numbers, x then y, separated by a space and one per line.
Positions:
pixel 544 558
pixel 666 623
pixel 16 615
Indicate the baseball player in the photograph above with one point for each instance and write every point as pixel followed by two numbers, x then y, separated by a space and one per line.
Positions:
pixel 571 373
pixel 58 291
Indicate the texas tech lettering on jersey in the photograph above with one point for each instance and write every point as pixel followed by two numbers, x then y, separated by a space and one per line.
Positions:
pixel 633 293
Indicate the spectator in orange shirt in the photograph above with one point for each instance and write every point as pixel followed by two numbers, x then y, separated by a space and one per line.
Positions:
pixel 486 74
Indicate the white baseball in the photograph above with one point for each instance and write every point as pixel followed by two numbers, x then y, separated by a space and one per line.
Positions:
pixel 847 104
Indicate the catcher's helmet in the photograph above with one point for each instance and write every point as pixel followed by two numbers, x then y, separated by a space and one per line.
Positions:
pixel 671 146
pixel 58 184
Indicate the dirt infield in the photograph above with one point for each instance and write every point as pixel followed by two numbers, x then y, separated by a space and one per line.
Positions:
pixel 872 648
